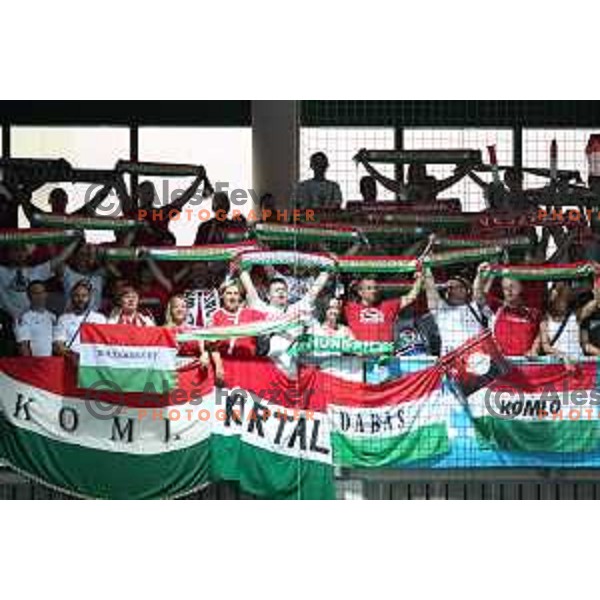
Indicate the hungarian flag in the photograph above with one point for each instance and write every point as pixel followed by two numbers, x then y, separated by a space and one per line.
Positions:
pixel 260 430
pixel 272 433
pixel 127 359
pixel 393 423
pixel 476 363
pixel 539 408
pixel 101 443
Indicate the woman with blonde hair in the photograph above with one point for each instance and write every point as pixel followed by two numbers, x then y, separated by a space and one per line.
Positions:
pixel 176 318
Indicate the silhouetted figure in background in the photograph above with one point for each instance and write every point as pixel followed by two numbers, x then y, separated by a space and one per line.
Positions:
pixel 220 229
pixel 368 189
pixel 317 192
pixel 268 209
pixel 420 186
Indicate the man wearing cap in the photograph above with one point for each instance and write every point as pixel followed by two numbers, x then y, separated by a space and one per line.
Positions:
pixel 66 333
pixel 458 315
pixel 317 192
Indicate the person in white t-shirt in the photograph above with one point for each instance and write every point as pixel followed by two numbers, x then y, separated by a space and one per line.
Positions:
pixel 298 280
pixel 317 192
pixel 560 329
pixel 278 305
pixel 18 273
pixel 34 328
pixel 458 317
pixel 66 333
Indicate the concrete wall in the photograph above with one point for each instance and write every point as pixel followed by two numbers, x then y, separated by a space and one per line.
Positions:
pixel 275 148
pixel 488 484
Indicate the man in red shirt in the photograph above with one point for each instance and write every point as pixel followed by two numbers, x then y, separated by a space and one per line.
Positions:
pixel 233 313
pixel 516 326
pixel 533 295
pixel 372 319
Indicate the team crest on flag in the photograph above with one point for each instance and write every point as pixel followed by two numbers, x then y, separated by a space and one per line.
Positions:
pixel 476 363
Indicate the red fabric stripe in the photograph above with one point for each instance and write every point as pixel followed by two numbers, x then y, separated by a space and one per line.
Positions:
pixel 126 335
pixel 59 376
pixel 533 379
pixel 261 377
pixel 326 388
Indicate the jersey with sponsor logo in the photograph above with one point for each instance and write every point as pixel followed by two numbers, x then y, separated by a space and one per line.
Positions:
pixel 239 346
pixel 372 323
pixel 515 329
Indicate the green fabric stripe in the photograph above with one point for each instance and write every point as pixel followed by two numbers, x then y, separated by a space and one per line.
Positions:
pixel 376 266
pixel 33 237
pixel 101 474
pixel 465 255
pixel 422 443
pixel 237 331
pixel 268 474
pixel 216 254
pixel 429 222
pixel 439 259
pixel 252 259
pixel 538 436
pixel 125 253
pixel 516 242
pixel 451 156
pixel 313 236
pixel 309 344
pixel 91 223
pixel 390 232
pixel 542 273
pixel 278 232
pixel 157 169
pixel 126 380
pixel 176 255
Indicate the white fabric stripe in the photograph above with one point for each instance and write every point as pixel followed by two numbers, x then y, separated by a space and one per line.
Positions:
pixel 271 427
pixel 148 434
pixel 348 368
pixel 482 405
pixel 403 417
pixel 128 357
